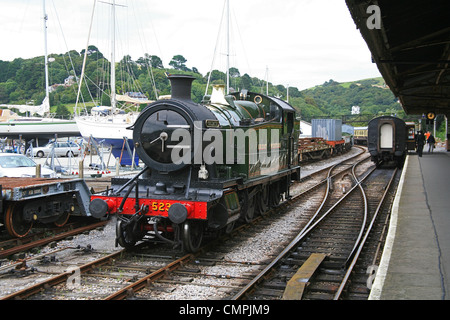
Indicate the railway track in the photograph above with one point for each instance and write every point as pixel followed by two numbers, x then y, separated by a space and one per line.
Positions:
pixel 217 272
pixel 12 246
pixel 329 248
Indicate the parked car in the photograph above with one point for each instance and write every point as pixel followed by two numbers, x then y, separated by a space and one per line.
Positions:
pixel 17 165
pixel 61 149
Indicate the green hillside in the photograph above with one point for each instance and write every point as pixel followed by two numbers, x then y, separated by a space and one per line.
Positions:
pixel 334 99
pixel 22 81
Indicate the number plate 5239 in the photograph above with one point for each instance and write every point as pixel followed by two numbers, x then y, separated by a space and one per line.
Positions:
pixel 160 206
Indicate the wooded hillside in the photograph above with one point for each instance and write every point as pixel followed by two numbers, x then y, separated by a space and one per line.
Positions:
pixel 22 81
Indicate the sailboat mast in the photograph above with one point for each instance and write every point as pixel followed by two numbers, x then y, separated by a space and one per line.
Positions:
pixel 113 58
pixel 228 46
pixel 47 93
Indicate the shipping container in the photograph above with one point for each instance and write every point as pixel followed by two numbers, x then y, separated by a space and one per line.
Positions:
pixel 328 129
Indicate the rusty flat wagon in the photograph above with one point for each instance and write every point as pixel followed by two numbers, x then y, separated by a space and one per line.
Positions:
pixel 25 201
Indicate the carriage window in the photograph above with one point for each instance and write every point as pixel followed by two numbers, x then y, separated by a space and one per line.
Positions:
pixel 386 136
pixel 411 133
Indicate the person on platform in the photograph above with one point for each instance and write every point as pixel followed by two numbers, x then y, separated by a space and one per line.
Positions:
pixel 431 141
pixel 420 141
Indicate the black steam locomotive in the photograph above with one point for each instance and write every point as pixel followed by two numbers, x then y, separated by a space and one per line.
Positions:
pixel 387 140
pixel 207 166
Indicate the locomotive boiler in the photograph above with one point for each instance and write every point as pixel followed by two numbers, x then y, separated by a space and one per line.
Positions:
pixel 207 166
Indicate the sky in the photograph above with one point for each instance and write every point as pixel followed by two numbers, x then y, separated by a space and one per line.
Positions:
pixel 296 43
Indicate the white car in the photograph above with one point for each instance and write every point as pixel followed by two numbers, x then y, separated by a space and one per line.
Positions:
pixel 61 149
pixel 17 165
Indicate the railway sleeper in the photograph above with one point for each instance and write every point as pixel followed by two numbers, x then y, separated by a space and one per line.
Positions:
pixel 268 293
pixel 323 287
pixel 275 284
pixel 358 289
pixel 319 296
pixel 333 267
pixel 323 277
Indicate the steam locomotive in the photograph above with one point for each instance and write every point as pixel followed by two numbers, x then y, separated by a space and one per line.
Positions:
pixel 207 166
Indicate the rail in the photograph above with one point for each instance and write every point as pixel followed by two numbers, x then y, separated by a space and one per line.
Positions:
pixel 363 241
pixel 311 225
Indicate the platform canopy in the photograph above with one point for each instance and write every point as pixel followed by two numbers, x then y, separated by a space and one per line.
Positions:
pixel 410 43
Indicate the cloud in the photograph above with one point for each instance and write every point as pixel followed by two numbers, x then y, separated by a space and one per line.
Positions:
pixel 302 42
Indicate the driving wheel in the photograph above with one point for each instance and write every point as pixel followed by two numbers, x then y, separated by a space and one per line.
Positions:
pixel 62 219
pixel 16 225
pixel 262 200
pixel 192 236
pixel 124 235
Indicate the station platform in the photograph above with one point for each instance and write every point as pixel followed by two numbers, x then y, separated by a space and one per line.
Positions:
pixel 416 259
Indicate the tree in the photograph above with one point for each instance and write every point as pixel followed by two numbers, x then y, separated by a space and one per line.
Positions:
pixel 157 62
pixel 149 60
pixel 234 73
pixel 93 50
pixel 178 62
pixel 217 75
pixel 246 82
pixel 62 111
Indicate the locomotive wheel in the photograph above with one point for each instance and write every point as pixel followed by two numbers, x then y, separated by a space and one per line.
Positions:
pixel 62 219
pixel 192 236
pixel 248 207
pixel 124 235
pixel 250 214
pixel 229 228
pixel 262 200
pixel 15 223
pixel 275 195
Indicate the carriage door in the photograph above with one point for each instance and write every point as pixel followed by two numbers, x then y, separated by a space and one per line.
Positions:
pixel 386 136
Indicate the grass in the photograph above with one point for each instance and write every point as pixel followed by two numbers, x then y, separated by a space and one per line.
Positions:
pixel 70 106
pixel 379 82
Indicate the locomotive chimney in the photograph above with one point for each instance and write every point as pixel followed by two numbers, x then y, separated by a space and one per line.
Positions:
pixel 181 86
